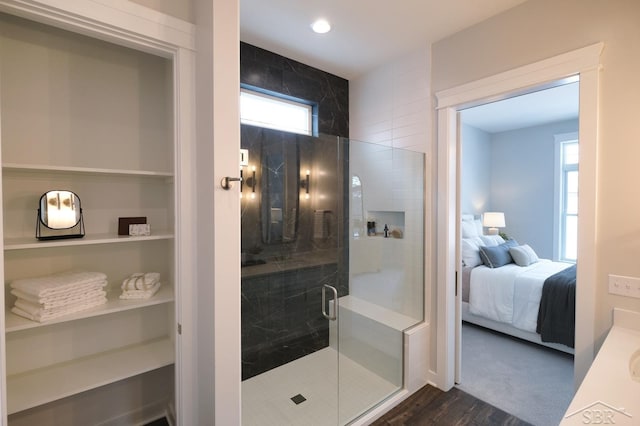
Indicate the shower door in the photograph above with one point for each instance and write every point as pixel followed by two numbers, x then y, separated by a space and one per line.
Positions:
pixel 292 260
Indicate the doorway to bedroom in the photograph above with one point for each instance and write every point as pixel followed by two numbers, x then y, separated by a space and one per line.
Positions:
pixel 518 162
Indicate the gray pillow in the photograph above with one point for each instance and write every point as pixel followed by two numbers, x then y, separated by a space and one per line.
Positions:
pixel 497 256
pixel 523 255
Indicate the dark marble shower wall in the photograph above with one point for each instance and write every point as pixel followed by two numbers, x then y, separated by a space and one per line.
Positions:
pixel 281 317
pixel 267 70
pixel 281 288
pixel 281 299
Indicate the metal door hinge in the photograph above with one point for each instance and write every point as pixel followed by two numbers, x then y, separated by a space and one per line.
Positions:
pixel 179 328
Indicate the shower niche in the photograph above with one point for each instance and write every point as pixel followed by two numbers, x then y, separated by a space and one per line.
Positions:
pixel 378 221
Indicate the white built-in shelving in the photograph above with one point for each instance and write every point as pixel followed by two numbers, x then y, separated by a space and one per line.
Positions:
pixel 37 387
pixel 30 243
pixel 114 305
pixel 44 168
pixel 108 137
pixel 72 375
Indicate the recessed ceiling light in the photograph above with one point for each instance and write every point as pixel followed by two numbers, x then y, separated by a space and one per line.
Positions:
pixel 321 26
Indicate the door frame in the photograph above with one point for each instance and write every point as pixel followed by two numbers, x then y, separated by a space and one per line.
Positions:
pixel 584 63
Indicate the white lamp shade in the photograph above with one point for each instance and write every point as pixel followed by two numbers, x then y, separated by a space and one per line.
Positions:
pixel 493 220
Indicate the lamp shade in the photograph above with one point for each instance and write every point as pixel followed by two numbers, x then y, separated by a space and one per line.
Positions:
pixel 493 219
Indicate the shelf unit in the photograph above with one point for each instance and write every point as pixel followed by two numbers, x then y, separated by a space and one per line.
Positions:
pixel 26 390
pixel 114 305
pixel 107 135
pixel 45 168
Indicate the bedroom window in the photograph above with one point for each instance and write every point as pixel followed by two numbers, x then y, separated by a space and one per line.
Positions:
pixel 275 112
pixel 568 197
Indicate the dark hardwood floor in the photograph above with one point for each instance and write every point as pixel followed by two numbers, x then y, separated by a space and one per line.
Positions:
pixel 431 406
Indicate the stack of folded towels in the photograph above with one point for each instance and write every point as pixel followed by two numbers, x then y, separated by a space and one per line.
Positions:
pixel 140 285
pixel 46 298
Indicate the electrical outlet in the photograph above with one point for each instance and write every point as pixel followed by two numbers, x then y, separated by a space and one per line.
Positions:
pixel 624 286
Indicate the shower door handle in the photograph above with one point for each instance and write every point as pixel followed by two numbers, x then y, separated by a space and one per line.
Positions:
pixel 331 316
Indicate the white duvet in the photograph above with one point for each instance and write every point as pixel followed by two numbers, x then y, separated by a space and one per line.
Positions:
pixel 511 293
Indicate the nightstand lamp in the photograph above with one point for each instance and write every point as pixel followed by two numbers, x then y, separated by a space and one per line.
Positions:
pixel 493 221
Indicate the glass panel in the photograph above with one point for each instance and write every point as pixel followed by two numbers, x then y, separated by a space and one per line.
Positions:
pixel 571 219
pixel 570 152
pixel 385 293
pixel 571 241
pixel 299 364
pixel 292 233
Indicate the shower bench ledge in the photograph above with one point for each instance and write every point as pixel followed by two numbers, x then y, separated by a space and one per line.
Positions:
pixel 378 313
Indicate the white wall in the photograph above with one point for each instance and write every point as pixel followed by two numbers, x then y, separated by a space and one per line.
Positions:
pixel 218 214
pixel 522 182
pixel 541 29
pixel 391 105
pixel 475 170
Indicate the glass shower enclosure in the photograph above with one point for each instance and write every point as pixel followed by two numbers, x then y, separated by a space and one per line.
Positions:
pixel 332 274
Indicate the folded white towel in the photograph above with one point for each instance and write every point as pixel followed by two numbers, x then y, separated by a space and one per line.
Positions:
pixel 48 303
pixel 42 315
pixel 140 294
pixel 36 308
pixel 57 284
pixel 84 290
pixel 140 281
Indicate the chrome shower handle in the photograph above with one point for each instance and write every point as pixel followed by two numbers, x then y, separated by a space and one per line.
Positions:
pixel 331 316
pixel 226 182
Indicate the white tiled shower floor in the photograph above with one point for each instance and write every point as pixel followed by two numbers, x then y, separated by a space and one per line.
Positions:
pixel 266 398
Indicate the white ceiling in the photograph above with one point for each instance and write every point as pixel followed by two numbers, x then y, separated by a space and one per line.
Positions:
pixel 533 109
pixel 368 33
pixel 365 34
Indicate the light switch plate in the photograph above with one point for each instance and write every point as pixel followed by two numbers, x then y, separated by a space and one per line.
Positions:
pixel 624 286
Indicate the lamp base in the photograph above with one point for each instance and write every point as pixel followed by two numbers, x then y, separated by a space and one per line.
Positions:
pixel 493 231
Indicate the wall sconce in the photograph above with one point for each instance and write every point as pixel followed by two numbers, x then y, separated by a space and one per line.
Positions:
pixel 244 162
pixel 251 182
pixel 493 220
pixel 60 212
pixel 305 184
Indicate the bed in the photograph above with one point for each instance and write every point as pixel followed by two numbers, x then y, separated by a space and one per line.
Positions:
pixel 507 288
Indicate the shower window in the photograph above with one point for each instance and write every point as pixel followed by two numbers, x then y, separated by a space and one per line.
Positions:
pixel 275 112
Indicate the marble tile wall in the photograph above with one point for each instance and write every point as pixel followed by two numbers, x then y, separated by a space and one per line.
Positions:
pixel 282 310
pixel 282 317
pixel 267 70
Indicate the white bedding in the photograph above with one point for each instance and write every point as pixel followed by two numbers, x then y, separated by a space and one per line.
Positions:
pixel 511 293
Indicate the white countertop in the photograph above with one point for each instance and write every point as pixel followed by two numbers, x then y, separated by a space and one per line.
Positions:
pixel 608 394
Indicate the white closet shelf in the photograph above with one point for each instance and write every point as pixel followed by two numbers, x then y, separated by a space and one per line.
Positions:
pixel 82 170
pixel 33 388
pixel 32 243
pixel 114 304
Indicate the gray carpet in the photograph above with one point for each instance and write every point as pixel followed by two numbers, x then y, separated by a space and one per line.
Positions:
pixel 531 382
